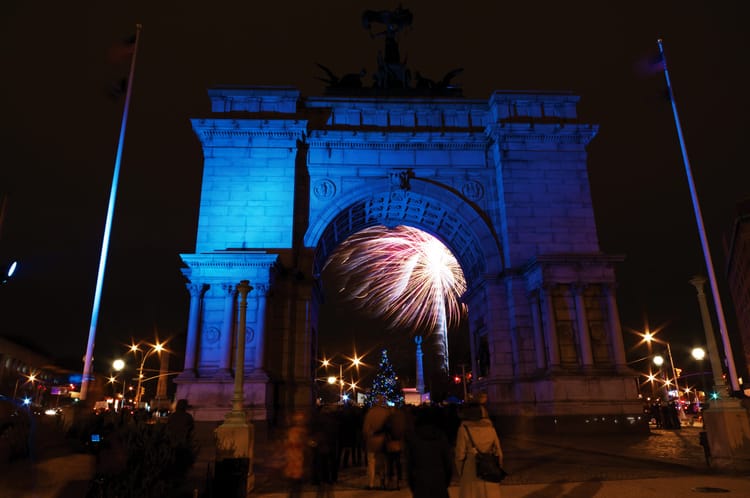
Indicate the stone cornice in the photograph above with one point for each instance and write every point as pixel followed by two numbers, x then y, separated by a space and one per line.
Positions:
pixel 396 141
pixel 514 133
pixel 228 264
pixel 239 132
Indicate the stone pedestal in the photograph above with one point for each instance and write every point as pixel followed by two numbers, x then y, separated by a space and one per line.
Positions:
pixel 728 429
pixel 235 440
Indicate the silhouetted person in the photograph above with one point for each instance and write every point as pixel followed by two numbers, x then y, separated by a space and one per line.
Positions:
pixel 180 423
pixel 395 441
pixel 180 427
pixel 429 456
pixel 324 441
pixel 374 435
pixel 349 436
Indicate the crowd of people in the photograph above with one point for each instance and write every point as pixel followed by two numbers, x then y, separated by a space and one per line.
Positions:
pixel 423 447
pixel 669 414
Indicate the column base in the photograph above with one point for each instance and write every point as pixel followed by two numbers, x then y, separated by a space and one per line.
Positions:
pixel 728 429
pixel 223 373
pixel 186 375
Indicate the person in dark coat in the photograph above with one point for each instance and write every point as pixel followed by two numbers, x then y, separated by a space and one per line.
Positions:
pixel 394 445
pixel 324 440
pixel 429 456
pixel 180 424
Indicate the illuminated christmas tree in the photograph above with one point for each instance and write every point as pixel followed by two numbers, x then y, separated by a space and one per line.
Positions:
pixel 385 383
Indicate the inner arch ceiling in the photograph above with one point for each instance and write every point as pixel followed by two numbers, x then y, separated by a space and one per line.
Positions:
pixel 446 221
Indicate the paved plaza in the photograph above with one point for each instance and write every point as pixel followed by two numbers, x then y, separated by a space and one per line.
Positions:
pixel 662 464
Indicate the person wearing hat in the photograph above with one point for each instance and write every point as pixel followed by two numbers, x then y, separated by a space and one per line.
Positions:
pixel 475 431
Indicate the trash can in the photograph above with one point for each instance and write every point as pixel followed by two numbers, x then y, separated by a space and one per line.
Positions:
pixel 230 478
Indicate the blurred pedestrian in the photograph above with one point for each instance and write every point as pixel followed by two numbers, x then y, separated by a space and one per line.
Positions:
pixel 481 431
pixel 180 425
pixel 394 445
pixel 296 445
pixel 349 436
pixel 429 456
pixel 373 431
pixel 324 442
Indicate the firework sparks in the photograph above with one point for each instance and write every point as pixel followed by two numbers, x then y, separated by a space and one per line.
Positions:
pixel 402 274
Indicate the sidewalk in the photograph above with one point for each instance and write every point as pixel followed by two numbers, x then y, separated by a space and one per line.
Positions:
pixel 663 464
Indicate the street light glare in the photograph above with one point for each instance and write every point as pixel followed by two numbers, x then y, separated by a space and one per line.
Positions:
pixel 698 353
pixel 118 364
pixel 658 360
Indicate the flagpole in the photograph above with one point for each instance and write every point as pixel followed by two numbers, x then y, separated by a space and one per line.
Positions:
pixel 89 358
pixel 702 232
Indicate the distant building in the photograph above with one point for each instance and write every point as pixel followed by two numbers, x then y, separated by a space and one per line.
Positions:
pixel 738 273
pixel 19 362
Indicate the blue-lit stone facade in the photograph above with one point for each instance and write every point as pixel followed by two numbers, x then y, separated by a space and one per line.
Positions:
pixel 501 181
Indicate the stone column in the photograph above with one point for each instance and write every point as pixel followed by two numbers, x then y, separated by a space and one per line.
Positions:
pixel 420 368
pixel 538 332
pixel 584 336
pixel 713 350
pixel 191 347
pixel 260 330
pixel 225 359
pixel 161 402
pixel 726 422
pixel 235 436
pixel 549 328
pixel 615 330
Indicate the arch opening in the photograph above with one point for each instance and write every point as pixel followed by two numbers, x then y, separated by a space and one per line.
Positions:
pixel 384 287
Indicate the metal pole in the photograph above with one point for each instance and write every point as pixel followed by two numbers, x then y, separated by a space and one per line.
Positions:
pixel 463 376
pixel 674 372
pixel 140 380
pixel 341 383
pixel 88 359
pixel 731 370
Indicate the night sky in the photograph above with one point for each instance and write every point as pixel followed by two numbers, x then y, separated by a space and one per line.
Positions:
pixel 59 132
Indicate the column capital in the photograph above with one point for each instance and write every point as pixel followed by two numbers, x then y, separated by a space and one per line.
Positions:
pixel 578 288
pixel 261 290
pixel 610 288
pixel 549 286
pixel 244 287
pixel 699 282
pixel 230 289
pixel 196 289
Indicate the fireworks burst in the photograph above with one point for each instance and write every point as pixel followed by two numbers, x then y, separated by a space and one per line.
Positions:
pixel 403 275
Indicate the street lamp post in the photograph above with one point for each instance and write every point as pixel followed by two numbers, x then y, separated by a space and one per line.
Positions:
pixel 648 337
pixel 134 348
pixel 355 360
pixel 119 365
pixel 699 354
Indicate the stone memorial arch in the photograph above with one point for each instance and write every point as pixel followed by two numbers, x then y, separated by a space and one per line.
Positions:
pixel 502 182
